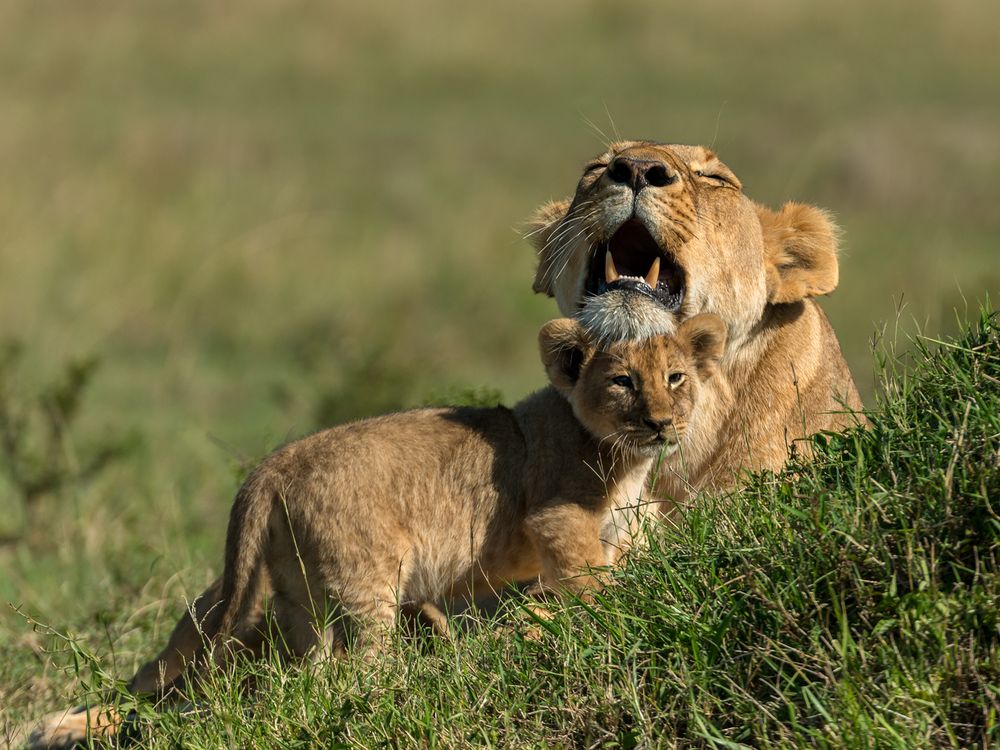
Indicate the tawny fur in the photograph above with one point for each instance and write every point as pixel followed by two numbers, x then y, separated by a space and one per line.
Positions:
pixel 757 269
pixel 412 509
pixel 431 504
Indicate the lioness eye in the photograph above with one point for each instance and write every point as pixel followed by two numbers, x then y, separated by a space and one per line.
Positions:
pixel 718 179
pixel 674 379
pixel 624 381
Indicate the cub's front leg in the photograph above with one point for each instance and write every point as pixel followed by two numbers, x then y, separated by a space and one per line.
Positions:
pixel 568 539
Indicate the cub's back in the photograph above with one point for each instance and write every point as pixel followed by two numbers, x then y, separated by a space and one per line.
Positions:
pixel 412 457
pixel 418 492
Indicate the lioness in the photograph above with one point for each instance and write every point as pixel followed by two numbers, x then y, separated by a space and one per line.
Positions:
pixel 419 506
pixel 657 233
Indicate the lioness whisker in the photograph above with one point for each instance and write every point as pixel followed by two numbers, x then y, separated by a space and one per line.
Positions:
pixel 554 241
pixel 572 217
pixel 569 216
pixel 564 254
pixel 588 236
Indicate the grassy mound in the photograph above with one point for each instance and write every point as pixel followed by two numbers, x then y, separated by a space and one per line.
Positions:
pixel 849 602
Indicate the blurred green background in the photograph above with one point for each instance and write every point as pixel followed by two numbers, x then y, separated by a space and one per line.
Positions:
pixel 264 216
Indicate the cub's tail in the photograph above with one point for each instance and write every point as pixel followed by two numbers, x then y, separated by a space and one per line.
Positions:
pixel 245 540
pixel 242 580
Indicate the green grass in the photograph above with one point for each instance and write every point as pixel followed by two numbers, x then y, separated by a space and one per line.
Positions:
pixel 849 602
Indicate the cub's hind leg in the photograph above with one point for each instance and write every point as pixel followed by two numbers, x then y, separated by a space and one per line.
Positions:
pixel 321 630
pixel 302 631
pixel 372 618
pixel 423 614
pixel 158 677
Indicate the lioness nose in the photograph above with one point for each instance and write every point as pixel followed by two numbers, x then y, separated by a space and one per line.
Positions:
pixel 658 425
pixel 638 173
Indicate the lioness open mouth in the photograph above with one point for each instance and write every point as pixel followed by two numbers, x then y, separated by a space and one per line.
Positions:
pixel 633 261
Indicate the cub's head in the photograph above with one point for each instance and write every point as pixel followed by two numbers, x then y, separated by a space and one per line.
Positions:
pixel 657 233
pixel 637 395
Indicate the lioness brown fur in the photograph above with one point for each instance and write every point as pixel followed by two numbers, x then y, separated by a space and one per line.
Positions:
pixel 756 268
pixel 352 523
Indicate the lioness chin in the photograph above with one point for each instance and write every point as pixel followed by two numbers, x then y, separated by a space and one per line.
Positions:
pixel 351 524
pixel 656 233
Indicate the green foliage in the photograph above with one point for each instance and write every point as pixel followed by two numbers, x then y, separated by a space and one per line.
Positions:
pixel 482 396
pixel 38 455
pixel 368 385
pixel 850 602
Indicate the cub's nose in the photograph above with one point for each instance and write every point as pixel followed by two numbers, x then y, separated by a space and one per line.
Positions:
pixel 659 426
pixel 639 173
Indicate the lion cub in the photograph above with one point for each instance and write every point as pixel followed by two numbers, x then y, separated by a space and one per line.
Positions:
pixel 406 511
pixel 424 505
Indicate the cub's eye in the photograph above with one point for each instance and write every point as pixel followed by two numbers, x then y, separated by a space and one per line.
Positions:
pixel 674 379
pixel 624 381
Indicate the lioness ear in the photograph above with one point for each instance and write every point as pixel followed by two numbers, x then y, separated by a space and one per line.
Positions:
pixel 800 252
pixel 539 230
pixel 705 337
pixel 565 348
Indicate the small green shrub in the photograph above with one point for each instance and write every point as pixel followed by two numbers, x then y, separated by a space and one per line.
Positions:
pixel 481 396
pixel 38 455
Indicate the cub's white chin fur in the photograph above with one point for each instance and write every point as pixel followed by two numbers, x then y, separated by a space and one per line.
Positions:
pixel 618 315
pixel 656 449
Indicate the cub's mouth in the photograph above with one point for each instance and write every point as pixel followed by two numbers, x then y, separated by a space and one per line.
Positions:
pixel 633 261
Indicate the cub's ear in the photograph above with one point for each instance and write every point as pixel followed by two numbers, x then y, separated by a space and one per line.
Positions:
pixel 800 252
pixel 705 337
pixel 565 348
pixel 540 229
